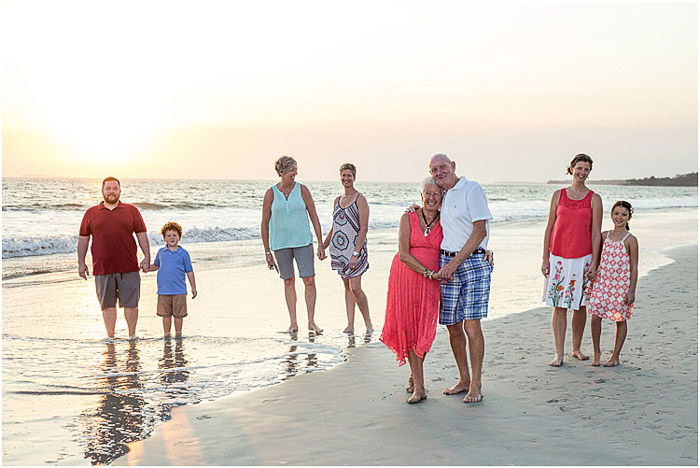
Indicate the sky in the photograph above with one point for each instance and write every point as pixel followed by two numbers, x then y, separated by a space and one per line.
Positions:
pixel 220 89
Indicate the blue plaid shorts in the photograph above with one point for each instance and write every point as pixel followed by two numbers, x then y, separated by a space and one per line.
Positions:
pixel 466 297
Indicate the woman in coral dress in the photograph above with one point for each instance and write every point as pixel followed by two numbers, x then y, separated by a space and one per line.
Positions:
pixel 413 297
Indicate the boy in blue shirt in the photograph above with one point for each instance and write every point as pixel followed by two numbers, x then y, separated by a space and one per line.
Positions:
pixel 173 263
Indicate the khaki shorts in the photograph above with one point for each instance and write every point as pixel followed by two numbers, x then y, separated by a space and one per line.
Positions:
pixel 174 305
pixel 125 286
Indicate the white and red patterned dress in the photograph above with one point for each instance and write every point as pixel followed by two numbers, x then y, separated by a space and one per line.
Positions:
pixel 612 283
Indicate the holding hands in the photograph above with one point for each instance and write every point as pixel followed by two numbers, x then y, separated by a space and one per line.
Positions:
pixel 591 273
pixel 446 272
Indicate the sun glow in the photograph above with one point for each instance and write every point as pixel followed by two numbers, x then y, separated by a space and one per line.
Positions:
pixel 219 89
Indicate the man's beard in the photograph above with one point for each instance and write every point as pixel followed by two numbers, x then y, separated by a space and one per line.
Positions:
pixel 115 197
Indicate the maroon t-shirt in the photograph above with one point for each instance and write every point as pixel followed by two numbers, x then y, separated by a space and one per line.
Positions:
pixel 113 244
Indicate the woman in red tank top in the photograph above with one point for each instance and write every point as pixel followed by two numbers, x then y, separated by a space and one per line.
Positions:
pixel 570 255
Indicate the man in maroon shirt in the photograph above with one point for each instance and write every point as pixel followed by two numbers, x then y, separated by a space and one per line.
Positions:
pixel 114 263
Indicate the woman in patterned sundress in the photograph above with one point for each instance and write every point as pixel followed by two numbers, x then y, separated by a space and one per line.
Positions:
pixel 571 247
pixel 613 291
pixel 347 241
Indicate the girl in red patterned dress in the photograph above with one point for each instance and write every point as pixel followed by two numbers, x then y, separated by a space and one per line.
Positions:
pixel 612 294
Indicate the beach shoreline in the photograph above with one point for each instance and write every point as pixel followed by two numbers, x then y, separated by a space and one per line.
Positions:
pixel 598 416
pixel 234 339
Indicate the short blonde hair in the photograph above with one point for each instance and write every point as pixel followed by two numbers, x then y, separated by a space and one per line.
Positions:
pixel 350 167
pixel 284 164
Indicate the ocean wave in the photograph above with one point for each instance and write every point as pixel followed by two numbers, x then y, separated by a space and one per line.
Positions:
pixel 186 206
pixel 35 245
pixel 142 205
pixel 28 246
pixel 46 207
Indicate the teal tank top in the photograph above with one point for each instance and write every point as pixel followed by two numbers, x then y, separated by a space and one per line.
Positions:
pixel 289 221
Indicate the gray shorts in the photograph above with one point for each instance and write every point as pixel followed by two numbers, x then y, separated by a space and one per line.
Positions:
pixel 125 286
pixel 304 257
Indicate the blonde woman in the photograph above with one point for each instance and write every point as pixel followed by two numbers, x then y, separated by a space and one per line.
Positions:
pixel 287 208
pixel 347 242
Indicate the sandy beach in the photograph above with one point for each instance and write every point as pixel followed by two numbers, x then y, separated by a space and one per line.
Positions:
pixel 643 412
pixel 334 393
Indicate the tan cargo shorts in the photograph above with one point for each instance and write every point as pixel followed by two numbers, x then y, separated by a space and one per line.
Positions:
pixel 174 305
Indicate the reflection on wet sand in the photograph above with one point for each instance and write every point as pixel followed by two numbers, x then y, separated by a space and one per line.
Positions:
pixel 291 363
pixel 181 446
pixel 122 414
pixel 366 338
pixel 173 376
pixel 119 416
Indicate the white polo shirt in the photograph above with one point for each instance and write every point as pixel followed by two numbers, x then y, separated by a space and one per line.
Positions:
pixel 462 205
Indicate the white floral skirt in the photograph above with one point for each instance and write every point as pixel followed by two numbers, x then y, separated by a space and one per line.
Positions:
pixel 567 284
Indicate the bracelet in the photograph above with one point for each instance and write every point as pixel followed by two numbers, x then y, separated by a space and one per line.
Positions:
pixel 267 252
pixel 428 273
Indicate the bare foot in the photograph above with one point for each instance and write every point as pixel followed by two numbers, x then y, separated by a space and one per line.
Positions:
pixel 459 387
pixel 409 388
pixel 370 329
pixel 349 330
pixel 315 328
pixel 557 361
pixel 596 360
pixel 474 395
pixel 293 328
pixel 580 356
pixel 417 397
pixel 611 362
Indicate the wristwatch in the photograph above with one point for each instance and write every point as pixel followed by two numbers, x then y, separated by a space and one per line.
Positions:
pixel 356 254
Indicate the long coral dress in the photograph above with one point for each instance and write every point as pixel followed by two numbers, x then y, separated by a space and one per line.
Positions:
pixel 413 301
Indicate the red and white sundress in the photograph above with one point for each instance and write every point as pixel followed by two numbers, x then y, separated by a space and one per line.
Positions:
pixel 607 295
pixel 570 253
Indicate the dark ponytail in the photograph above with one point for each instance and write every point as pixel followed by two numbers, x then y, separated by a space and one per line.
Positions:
pixel 626 205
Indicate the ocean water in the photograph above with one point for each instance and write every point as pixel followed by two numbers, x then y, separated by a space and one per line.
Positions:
pixel 71 398
pixel 42 216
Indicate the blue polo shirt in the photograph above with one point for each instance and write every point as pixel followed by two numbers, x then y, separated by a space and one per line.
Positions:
pixel 173 267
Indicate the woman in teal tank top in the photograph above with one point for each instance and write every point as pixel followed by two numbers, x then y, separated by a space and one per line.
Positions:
pixel 286 235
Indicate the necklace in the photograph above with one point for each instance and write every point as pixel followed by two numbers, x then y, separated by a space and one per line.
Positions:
pixel 576 195
pixel 428 224
pixel 286 191
pixel 346 196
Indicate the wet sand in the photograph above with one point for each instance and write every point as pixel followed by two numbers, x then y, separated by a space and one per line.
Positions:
pixel 640 413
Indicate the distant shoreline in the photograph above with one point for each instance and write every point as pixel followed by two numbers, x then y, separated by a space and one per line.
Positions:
pixel 681 180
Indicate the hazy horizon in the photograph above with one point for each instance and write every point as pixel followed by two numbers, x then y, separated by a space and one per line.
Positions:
pixel 509 90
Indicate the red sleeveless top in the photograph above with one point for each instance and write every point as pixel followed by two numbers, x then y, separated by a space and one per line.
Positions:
pixel 571 236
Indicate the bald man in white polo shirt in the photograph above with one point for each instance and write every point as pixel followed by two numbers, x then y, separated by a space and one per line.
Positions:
pixel 464 295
